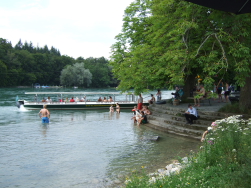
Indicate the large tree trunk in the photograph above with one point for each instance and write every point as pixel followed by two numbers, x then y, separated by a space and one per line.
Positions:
pixel 189 86
pixel 245 99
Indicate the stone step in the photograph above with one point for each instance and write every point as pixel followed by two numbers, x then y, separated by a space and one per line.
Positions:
pixel 204 120
pixel 209 116
pixel 180 121
pixel 181 131
pixel 197 125
pixel 178 128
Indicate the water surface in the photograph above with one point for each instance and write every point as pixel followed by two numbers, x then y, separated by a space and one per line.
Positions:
pixel 78 148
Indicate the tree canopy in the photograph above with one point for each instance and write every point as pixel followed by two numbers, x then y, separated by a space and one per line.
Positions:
pixel 25 65
pixel 167 42
pixel 76 75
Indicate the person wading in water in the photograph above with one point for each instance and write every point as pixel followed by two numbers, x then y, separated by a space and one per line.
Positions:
pixel 44 114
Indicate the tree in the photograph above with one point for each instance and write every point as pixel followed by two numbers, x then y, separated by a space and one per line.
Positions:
pixel 172 41
pixel 3 73
pixel 75 75
pixel 101 73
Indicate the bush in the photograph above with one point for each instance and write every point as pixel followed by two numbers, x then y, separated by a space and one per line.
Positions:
pixel 223 161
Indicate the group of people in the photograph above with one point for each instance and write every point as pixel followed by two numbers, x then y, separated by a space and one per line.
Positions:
pixel 140 115
pixel 105 100
pixel 117 107
pixel 82 99
pixel 152 100
pixel 219 89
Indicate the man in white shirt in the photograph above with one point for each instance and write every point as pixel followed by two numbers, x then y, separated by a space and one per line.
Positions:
pixel 191 114
pixel 49 100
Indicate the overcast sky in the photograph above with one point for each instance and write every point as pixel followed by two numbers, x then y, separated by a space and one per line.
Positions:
pixel 77 27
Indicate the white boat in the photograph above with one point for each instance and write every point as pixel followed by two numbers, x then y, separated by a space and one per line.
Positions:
pixel 89 103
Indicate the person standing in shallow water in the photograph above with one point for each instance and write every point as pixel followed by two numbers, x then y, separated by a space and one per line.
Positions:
pixel 44 114
pixel 117 108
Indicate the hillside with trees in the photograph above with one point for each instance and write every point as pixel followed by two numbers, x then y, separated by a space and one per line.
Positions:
pixel 24 65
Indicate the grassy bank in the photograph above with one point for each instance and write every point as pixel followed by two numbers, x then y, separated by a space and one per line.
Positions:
pixel 223 161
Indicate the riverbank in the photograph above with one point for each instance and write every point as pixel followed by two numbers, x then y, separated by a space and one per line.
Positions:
pixel 169 118
pixel 223 161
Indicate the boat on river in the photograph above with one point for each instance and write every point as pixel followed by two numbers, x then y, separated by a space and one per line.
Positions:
pixel 60 102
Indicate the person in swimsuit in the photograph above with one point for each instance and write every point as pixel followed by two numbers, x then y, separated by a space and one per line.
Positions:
pixel 117 108
pixel 44 114
pixel 111 108
pixel 152 100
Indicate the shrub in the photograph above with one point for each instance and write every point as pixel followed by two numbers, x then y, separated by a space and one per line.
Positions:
pixel 223 161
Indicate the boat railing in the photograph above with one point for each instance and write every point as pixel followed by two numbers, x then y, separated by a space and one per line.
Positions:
pixel 78 102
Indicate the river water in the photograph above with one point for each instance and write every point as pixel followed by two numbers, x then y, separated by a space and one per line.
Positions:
pixel 78 148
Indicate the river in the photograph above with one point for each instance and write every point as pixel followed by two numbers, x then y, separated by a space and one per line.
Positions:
pixel 78 148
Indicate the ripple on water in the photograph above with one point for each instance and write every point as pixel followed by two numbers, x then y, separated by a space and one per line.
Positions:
pixel 77 148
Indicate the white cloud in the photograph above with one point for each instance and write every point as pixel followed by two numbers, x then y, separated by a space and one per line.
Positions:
pixel 77 28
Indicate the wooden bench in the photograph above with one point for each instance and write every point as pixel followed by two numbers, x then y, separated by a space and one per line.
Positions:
pixel 206 98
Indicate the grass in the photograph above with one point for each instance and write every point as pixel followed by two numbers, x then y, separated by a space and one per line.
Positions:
pixel 223 161
pixel 234 108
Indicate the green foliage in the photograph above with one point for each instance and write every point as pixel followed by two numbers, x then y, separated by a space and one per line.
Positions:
pixel 75 75
pixel 163 42
pixel 223 161
pixel 25 65
pixel 101 71
pixel 235 108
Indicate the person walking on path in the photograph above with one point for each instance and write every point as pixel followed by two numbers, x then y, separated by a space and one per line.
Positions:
pixel 191 114
pixel 44 114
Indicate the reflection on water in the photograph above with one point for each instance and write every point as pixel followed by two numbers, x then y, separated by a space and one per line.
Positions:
pixel 78 148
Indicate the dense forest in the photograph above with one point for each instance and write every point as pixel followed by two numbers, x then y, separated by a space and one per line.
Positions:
pixel 24 65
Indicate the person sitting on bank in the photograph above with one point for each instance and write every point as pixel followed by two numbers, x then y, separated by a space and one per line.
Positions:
pixel 105 100
pixel 152 100
pixel 202 94
pixel 158 94
pixel 72 99
pixel 146 110
pixel 44 100
pixel 209 130
pixel 176 94
pixel 191 114
pixel 100 99
pixel 142 119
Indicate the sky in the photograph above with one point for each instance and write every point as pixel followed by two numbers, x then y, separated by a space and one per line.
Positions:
pixel 85 28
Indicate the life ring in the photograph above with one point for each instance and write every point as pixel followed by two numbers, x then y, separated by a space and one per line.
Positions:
pixel 161 102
